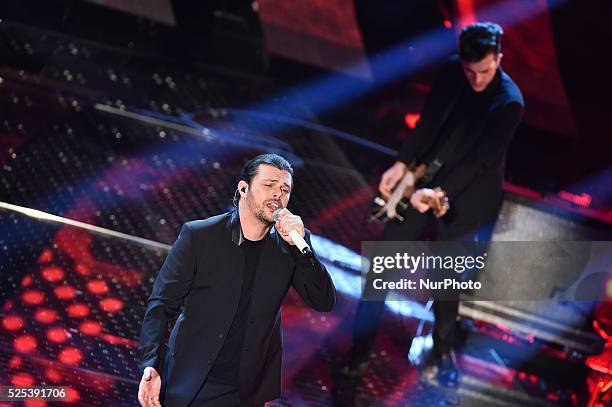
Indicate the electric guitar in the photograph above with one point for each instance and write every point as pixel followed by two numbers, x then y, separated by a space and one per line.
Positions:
pixel 394 206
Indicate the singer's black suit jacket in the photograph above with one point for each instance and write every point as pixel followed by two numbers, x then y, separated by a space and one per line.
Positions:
pixel 203 274
pixel 473 175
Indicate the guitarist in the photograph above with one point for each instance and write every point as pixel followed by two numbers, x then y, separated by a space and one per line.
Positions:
pixel 467 122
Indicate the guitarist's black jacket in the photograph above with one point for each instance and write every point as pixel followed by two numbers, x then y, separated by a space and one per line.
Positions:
pixel 470 133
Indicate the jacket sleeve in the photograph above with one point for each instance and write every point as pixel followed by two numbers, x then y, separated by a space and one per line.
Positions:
pixel 312 281
pixel 163 306
pixel 493 143
pixel 436 99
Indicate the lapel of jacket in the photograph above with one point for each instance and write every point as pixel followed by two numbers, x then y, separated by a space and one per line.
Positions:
pixel 274 256
pixel 234 261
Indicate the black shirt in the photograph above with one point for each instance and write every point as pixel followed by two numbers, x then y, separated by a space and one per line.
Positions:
pixel 468 107
pixel 227 365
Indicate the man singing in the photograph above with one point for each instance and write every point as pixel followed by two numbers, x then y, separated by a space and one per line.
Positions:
pixel 229 273
pixel 466 126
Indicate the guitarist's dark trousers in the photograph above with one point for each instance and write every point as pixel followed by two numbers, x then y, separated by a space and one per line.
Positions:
pixel 417 226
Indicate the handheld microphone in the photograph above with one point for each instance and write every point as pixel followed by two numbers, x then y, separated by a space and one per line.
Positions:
pixel 295 236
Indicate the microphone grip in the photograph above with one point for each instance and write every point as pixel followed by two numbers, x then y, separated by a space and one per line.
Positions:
pixel 299 241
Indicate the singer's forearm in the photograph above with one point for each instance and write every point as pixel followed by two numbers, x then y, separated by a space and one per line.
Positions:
pixel 312 282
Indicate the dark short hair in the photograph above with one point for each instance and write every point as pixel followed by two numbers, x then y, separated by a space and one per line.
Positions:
pixel 478 40
pixel 249 171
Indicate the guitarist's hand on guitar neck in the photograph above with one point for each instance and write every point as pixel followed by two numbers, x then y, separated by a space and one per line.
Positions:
pixel 436 200
pixel 390 178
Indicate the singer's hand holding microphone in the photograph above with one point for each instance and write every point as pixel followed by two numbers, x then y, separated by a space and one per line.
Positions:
pixel 291 229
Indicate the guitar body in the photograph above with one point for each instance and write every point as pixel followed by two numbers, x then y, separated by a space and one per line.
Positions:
pixel 394 206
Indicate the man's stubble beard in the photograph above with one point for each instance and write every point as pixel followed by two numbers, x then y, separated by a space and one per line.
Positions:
pixel 261 216
pixel 260 212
